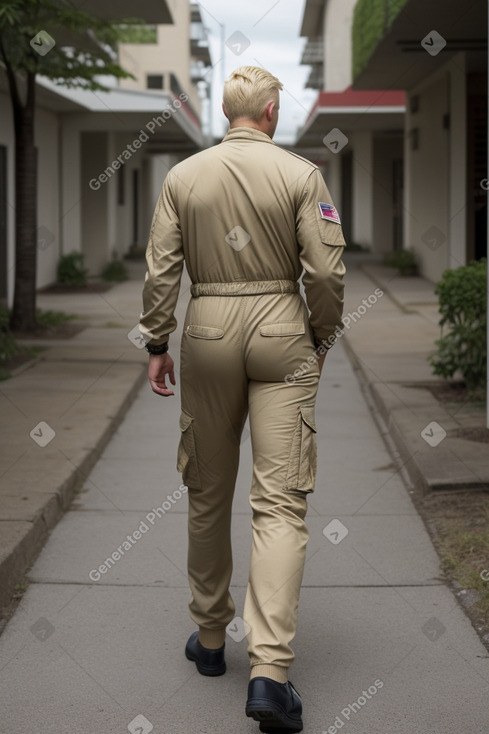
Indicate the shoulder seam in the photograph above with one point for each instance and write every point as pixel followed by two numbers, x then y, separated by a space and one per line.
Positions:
pixel 301 158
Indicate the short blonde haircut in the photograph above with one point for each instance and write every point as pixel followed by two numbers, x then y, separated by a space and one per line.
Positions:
pixel 247 92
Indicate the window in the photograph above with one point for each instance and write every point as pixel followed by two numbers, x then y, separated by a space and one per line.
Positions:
pixel 154 81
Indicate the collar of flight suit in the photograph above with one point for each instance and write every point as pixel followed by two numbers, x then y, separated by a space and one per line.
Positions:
pixel 247 133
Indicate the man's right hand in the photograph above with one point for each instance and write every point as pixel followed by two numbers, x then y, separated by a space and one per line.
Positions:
pixel 161 365
pixel 321 358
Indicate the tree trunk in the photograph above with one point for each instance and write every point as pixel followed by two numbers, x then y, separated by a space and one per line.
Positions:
pixel 24 307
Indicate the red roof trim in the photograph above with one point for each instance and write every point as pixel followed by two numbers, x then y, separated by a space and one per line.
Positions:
pixel 360 98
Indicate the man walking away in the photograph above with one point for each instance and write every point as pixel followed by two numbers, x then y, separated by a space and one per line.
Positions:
pixel 247 218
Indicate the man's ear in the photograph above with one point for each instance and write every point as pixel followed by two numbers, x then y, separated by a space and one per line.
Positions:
pixel 224 111
pixel 269 110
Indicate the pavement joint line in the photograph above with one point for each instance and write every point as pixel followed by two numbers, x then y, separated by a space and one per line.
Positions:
pixel 364 268
pixel 391 670
pixel 483 657
pixel 382 577
pixel 90 676
pixel 378 418
pixel 20 557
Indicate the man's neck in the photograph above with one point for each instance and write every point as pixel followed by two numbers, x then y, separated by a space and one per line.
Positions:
pixel 245 122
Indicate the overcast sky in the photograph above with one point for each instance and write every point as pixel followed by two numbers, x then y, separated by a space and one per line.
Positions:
pixel 271 27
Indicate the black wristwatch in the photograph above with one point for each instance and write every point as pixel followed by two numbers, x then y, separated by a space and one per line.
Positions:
pixel 157 349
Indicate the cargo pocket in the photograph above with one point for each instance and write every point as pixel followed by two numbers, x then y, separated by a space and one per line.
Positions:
pixel 301 469
pixel 186 456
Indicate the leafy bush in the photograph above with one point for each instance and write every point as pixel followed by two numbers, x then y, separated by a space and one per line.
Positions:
pixel 70 269
pixel 47 319
pixel 115 271
pixel 403 260
pixel 8 345
pixel 463 307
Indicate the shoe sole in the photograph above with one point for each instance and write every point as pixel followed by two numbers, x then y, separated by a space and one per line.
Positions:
pixel 272 719
pixel 210 670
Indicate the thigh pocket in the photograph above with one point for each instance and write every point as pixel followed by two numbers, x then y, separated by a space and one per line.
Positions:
pixel 186 457
pixel 302 465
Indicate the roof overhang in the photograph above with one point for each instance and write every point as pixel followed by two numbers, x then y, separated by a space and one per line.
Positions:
pixel 312 20
pixel 150 11
pixel 400 61
pixel 353 111
pixel 165 119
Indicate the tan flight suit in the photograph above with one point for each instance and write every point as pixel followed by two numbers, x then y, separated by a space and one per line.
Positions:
pixel 244 215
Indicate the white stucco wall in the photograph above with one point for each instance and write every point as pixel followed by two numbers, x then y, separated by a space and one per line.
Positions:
pixel 47 137
pixel 427 178
pixel 363 172
pixel 337 23
pixel 7 139
pixel 457 239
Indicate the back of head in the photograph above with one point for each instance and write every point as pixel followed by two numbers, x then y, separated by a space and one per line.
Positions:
pixel 247 92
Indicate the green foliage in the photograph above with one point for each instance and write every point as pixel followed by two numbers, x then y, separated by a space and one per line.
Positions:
pixel 371 21
pixel 463 307
pixel 115 272
pixel 403 260
pixel 139 34
pixel 70 269
pixel 48 318
pixel 85 45
pixel 8 345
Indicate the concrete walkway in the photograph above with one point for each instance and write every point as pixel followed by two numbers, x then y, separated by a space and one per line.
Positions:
pixel 382 646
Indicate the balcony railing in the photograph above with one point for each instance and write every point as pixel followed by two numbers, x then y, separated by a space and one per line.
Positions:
pixel 313 51
pixel 371 22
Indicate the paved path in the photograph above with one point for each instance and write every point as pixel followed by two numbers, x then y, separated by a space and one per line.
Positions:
pixel 382 645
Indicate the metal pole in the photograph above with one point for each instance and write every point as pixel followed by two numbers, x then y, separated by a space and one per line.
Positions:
pixel 223 66
pixel 487 340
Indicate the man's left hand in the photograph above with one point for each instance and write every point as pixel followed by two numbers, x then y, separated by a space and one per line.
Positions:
pixel 161 365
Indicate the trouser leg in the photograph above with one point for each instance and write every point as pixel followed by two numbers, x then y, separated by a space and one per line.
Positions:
pixel 283 456
pixel 284 469
pixel 214 409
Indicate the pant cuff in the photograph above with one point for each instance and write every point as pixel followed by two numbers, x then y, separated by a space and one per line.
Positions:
pixel 212 639
pixel 275 672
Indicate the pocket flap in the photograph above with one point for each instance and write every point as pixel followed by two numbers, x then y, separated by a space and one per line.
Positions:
pixel 185 421
pixel 286 328
pixel 307 412
pixel 204 332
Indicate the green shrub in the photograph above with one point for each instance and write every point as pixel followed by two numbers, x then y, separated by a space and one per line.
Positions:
pixel 70 269
pixel 115 271
pixel 8 345
pixel 48 318
pixel 463 307
pixel 403 260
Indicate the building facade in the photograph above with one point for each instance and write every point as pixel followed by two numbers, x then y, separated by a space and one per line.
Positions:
pixel 356 138
pixel 437 52
pixel 102 156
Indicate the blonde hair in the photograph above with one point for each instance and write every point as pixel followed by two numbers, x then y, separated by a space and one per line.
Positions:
pixel 247 92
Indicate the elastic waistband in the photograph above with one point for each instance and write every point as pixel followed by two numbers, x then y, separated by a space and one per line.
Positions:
pixel 244 288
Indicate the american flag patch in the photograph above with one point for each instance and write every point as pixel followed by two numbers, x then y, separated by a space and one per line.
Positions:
pixel 328 211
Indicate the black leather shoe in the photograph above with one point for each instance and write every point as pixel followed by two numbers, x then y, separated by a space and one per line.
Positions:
pixel 208 662
pixel 277 706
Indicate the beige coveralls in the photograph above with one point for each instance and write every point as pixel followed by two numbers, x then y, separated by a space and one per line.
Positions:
pixel 245 217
